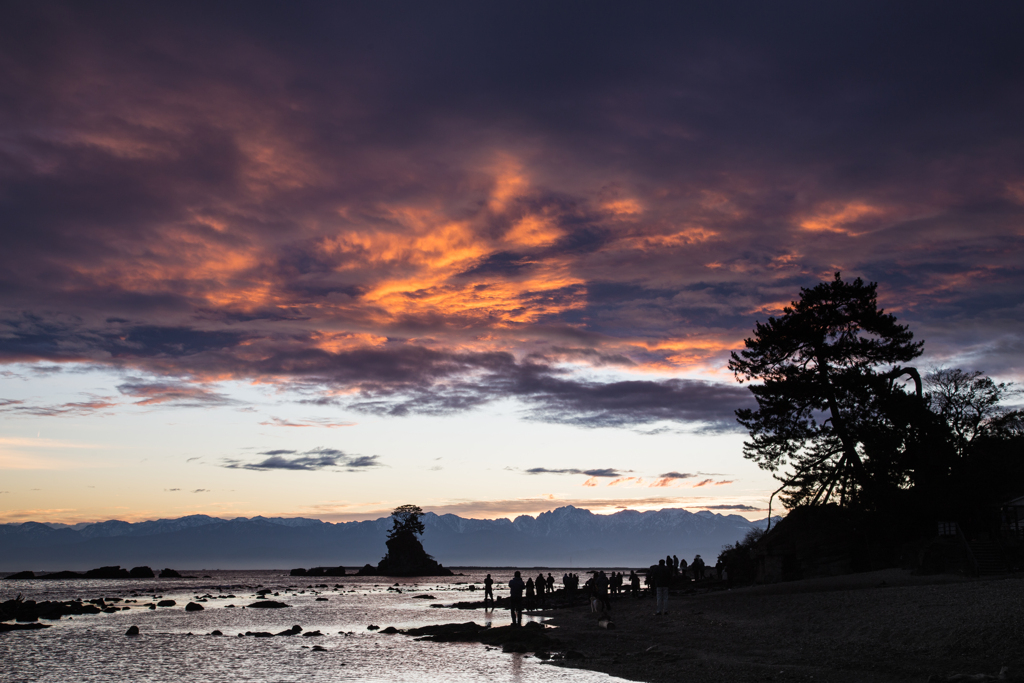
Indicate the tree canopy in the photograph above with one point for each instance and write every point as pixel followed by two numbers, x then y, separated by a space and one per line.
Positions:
pixel 406 521
pixel 831 410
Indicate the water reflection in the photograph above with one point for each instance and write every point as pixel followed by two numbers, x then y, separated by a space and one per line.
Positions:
pixel 92 648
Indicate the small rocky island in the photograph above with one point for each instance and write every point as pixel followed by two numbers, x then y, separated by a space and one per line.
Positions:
pixel 406 556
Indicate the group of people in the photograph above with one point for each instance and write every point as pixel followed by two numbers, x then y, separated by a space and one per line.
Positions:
pixel 524 594
pixel 697 568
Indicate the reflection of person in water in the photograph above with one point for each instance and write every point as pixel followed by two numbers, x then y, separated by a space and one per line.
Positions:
pixel 488 590
pixel 515 599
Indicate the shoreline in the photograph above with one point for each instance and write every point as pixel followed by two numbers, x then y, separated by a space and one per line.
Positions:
pixel 885 626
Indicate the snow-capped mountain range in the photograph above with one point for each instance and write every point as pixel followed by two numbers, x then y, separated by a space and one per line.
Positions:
pixel 564 537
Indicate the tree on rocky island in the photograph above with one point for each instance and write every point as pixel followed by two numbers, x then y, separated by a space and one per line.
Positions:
pixel 406 556
pixel 406 520
pixel 831 411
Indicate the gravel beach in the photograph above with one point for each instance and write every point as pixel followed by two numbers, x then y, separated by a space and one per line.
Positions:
pixel 879 626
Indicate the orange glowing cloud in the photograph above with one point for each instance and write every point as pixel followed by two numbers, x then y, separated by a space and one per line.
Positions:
pixel 849 218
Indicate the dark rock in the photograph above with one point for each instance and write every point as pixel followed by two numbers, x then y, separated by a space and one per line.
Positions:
pixel 267 604
pixel 372 627
pixel 406 557
pixel 260 634
pixel 193 607
pixel 367 570
pixel 166 603
pixel 297 572
pixel 390 630
pixel 141 573
pixel 321 600
pixel 20 575
pixel 531 638
pixel 132 631
pixel 216 633
pixel 325 571
pixel 114 572
pixel 169 574
pixel 22 627
pixel 318 648
pixel 293 631
pixel 60 576
pixel 311 634
pixel 424 597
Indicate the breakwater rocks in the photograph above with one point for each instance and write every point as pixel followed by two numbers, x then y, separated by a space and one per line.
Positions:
pixel 112 572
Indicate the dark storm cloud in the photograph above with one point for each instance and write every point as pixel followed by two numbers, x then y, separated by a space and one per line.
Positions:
pixel 426 210
pixel 316 459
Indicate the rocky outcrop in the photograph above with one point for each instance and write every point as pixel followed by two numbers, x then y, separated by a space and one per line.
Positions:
pixel 20 576
pixel 169 574
pixel 532 637
pixel 267 604
pixel 193 607
pixel 22 627
pixel 112 572
pixel 319 571
pixel 405 557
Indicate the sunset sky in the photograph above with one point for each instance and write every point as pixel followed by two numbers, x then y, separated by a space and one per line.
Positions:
pixel 323 259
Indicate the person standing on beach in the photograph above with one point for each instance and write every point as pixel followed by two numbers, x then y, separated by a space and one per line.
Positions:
pixel 551 584
pixel 541 584
pixel 515 599
pixel 488 590
pixel 661 579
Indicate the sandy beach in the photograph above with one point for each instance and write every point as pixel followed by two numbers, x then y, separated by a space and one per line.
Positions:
pixel 884 626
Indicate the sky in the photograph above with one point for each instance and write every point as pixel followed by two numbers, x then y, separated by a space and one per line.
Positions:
pixel 324 259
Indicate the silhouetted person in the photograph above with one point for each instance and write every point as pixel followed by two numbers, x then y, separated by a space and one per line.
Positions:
pixel 634 583
pixel 698 568
pixel 488 590
pixel 540 585
pixel 529 594
pixel 661 580
pixel 515 599
pixel 551 584
pixel 675 564
pixel 600 590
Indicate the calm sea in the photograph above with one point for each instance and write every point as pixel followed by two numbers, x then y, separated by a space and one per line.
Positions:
pixel 94 647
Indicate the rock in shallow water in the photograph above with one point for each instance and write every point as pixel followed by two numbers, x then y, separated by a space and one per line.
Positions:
pixel 132 631
pixel 267 604
pixel 193 607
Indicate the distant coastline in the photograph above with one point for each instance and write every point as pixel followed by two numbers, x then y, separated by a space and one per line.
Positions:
pixel 565 537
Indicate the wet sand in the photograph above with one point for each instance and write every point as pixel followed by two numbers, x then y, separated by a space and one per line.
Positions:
pixel 882 626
